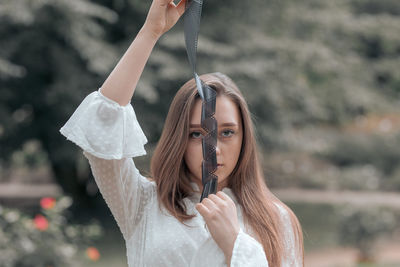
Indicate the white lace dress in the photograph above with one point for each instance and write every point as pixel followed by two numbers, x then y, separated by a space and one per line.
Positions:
pixel 110 136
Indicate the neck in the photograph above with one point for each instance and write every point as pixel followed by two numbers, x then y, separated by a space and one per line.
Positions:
pixel 220 186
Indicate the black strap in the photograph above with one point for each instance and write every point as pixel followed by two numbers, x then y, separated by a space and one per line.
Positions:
pixel 208 95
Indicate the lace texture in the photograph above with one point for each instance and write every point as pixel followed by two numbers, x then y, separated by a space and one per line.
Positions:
pixel 110 136
pixel 105 129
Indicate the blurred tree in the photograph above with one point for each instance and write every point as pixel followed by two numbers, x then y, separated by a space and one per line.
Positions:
pixel 54 53
pixel 299 64
pixel 362 227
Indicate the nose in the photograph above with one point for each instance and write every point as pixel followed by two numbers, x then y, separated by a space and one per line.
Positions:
pixel 217 149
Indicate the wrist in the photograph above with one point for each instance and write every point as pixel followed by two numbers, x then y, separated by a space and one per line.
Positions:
pixel 229 248
pixel 149 34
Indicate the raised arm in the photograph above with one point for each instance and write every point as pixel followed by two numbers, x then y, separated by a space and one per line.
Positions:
pixel 105 126
pixel 121 83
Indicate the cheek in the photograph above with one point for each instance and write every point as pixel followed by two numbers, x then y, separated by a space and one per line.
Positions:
pixel 234 151
pixel 193 156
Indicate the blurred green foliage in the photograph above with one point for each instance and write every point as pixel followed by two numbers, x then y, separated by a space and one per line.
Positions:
pixel 381 154
pixel 320 78
pixel 47 239
pixel 361 227
pixel 307 68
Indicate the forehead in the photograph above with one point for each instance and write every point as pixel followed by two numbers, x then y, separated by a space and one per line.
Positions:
pixel 225 111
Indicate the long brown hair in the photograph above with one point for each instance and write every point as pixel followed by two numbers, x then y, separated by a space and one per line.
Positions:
pixel 169 170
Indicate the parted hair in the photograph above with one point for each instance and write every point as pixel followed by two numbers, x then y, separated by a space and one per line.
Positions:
pixel 168 169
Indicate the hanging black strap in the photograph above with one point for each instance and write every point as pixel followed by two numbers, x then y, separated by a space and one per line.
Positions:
pixel 208 95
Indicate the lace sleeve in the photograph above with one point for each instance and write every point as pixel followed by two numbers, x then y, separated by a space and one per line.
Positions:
pixel 248 252
pixel 124 189
pixel 110 136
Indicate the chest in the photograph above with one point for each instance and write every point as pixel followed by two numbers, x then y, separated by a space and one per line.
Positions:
pixel 166 232
pixel 169 241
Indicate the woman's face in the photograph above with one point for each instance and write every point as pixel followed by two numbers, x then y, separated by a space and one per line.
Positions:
pixel 229 140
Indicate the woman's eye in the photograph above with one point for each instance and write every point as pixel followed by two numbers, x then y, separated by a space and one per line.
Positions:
pixel 195 135
pixel 227 133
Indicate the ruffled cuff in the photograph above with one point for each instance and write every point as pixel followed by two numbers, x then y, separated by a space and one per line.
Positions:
pixel 105 129
pixel 247 252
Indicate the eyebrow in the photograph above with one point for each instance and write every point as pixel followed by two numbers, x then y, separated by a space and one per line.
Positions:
pixel 232 124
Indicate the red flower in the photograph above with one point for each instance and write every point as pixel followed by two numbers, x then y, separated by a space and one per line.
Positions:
pixel 47 203
pixel 41 223
pixel 92 253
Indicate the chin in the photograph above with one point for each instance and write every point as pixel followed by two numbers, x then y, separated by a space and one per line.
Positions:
pixel 221 182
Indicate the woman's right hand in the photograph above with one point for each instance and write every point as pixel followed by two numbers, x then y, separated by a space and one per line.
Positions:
pixel 163 14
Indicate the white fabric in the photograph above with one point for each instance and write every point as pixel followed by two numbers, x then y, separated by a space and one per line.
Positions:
pixel 110 136
pixel 105 129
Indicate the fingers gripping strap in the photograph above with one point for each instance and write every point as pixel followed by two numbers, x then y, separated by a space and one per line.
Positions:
pixel 208 95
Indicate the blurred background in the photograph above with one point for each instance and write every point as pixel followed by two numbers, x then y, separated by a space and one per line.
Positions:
pixel 322 79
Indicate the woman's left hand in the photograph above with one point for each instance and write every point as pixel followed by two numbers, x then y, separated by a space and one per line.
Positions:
pixel 220 215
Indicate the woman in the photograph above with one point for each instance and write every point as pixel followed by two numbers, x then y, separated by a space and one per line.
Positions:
pixel 160 217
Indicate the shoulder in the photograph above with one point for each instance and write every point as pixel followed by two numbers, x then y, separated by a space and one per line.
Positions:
pixel 292 238
pixel 286 222
pixel 283 210
pixel 150 179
